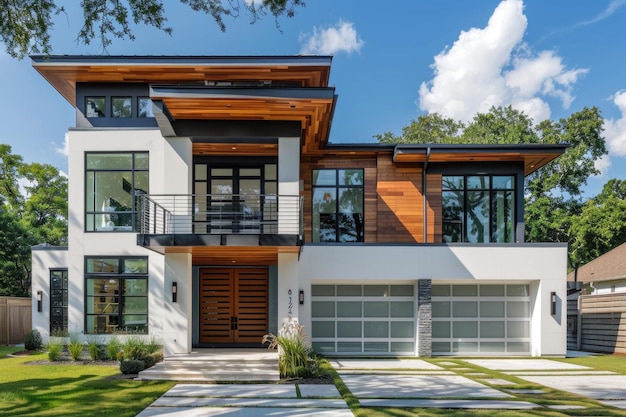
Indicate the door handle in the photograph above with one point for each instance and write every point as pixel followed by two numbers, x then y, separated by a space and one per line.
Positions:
pixel 233 323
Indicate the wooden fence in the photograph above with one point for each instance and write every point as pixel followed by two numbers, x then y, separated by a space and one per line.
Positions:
pixel 15 319
pixel 601 323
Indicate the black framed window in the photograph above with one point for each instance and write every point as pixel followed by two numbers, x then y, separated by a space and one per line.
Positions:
pixel 58 301
pixel 95 106
pixel 144 107
pixel 478 208
pixel 116 295
pixel 121 106
pixel 338 205
pixel 113 183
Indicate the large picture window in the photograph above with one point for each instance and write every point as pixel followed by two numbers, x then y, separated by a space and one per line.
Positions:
pixel 113 183
pixel 478 208
pixel 338 205
pixel 116 295
pixel 58 301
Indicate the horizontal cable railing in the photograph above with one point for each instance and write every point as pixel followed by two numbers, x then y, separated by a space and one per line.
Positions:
pixel 221 214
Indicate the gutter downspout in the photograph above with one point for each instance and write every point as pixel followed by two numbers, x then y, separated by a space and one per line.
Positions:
pixel 424 194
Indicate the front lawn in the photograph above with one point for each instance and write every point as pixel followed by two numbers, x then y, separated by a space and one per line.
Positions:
pixel 70 389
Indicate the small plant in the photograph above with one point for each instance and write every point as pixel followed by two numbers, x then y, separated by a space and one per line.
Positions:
pixel 32 340
pixel 95 349
pixel 113 348
pixel 75 347
pixel 153 345
pixel 133 366
pixel 54 348
pixel 295 354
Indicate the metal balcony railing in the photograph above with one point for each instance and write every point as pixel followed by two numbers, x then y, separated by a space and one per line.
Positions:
pixel 221 214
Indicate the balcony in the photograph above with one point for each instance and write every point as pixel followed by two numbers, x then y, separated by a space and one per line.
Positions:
pixel 211 220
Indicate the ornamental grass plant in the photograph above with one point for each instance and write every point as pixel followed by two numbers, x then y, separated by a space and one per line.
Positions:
pixel 296 358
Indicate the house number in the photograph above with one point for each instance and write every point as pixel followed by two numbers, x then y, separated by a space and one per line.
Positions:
pixel 290 306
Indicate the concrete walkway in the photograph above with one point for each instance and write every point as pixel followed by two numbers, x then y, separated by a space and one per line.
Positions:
pixel 398 383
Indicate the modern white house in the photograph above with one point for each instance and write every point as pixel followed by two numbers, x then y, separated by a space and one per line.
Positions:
pixel 206 206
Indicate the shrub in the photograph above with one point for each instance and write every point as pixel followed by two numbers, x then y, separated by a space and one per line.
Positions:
pixel 75 347
pixel 32 340
pixel 113 348
pixel 133 366
pixel 295 355
pixel 153 345
pixel 54 348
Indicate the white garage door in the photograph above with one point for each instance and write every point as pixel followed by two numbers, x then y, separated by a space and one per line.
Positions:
pixel 481 319
pixel 363 319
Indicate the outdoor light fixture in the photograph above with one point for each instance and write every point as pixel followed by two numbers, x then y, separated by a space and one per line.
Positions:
pixel 301 297
pixel 39 301
pixel 553 303
pixel 174 291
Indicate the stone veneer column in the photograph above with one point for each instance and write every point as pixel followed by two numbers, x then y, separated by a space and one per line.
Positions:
pixel 424 318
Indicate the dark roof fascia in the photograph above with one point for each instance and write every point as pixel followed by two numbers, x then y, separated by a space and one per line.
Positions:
pixel 291 60
pixel 360 147
pixel 161 91
pixel 527 148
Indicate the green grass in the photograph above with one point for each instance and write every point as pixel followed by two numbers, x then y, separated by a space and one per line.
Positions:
pixel 70 389
pixel 7 350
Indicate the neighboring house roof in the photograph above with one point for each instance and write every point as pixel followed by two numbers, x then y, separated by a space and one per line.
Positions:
pixel 607 267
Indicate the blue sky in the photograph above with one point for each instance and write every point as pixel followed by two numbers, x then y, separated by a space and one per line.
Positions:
pixel 390 64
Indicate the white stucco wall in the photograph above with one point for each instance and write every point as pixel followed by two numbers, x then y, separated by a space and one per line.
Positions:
pixel 541 266
pixel 609 287
pixel 43 261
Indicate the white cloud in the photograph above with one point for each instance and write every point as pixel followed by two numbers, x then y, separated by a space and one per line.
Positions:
pixel 615 130
pixel 603 164
pixel 340 38
pixel 492 66
pixel 610 9
pixel 64 149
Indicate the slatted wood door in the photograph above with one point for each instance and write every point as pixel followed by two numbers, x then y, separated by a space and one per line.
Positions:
pixel 233 305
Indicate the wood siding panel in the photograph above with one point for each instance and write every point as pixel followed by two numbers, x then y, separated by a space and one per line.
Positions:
pixel 433 208
pixel 400 202
pixel 603 323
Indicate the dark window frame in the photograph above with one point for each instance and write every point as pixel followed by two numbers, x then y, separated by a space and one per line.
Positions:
pixel 336 220
pixel 61 329
pixel 120 298
pixel 130 99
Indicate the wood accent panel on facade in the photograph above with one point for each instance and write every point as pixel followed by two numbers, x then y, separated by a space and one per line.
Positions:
pixel 434 208
pixel 308 164
pixel 400 202
pixel 231 255
pixel 235 149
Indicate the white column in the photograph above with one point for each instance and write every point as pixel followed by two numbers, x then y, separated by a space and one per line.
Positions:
pixel 288 185
pixel 288 287
pixel 177 316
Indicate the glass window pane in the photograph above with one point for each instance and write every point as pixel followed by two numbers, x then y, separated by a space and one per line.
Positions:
pixel 478 182
pixel 518 329
pixel 136 266
pixel 402 309
pixel 502 217
pixel 350 177
pixel 200 172
pixel 351 218
pixel 103 265
pixel 135 287
pixel 221 172
pixel 324 177
pixel 452 232
pixel 349 290
pixel 441 329
pixel 95 107
pixel 492 329
pixel 376 329
pixel 517 290
pixel 376 347
pixel 402 329
pixel 121 106
pixel 464 290
pixel 349 347
pixel 465 309
pixel 441 308
pixel 109 161
pixel 135 305
pixel 323 329
pixel 517 309
pixel 398 347
pixel 452 182
pixel 142 160
pixel 492 308
pixel 452 203
pixel 375 290
pixel 323 309
pixel 376 309
pixel 401 290
pixel 522 347
pixel 324 347
pixel 465 347
pixel 323 290
pixel 465 329
pixel 348 329
pixel 441 347
pixel 271 172
pixel 349 309
pixel 250 172
pixel 440 291
pixel 477 214
pixel 144 105
pixel 503 182
pixel 492 290
pixel 492 347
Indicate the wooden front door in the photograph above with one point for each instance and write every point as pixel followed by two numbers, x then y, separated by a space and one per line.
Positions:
pixel 233 305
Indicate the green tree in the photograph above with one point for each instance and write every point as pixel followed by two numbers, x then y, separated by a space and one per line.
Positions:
pixel 428 128
pixel 25 25
pixel 15 262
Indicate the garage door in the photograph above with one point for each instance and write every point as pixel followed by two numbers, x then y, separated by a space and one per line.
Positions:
pixel 481 319
pixel 363 319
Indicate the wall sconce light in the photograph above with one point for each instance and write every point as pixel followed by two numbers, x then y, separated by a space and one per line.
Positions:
pixel 301 297
pixel 174 291
pixel 553 303
pixel 39 301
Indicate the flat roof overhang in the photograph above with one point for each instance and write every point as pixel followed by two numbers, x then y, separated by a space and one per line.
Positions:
pixel 218 249
pixel 534 156
pixel 311 108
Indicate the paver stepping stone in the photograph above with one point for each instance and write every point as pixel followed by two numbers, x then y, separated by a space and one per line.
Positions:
pixel 481 404
pixel 523 364
pixel 598 387
pixel 234 390
pixel 566 407
pixel 526 391
pixel 615 403
pixel 242 412
pixel 248 402
pixel 319 391
pixel 418 386
pixel 341 364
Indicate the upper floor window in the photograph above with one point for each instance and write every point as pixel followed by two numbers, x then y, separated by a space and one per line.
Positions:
pixel 113 183
pixel 338 205
pixel 478 208
pixel 121 107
